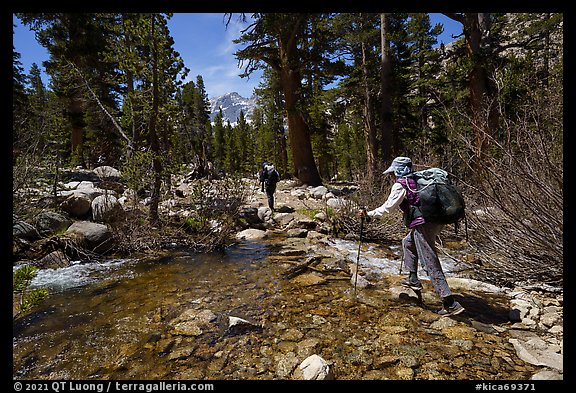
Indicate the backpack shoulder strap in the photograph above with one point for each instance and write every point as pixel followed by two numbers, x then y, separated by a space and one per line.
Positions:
pixel 404 182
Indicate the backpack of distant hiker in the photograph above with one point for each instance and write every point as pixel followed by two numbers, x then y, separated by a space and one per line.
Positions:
pixel 272 176
pixel 440 201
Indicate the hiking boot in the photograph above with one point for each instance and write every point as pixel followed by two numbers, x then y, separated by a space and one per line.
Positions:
pixel 414 285
pixel 454 309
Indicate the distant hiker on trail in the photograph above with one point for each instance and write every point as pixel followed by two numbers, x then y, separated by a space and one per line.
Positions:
pixel 420 243
pixel 269 176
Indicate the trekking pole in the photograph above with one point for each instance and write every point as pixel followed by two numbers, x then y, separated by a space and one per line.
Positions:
pixel 358 258
pixel 402 255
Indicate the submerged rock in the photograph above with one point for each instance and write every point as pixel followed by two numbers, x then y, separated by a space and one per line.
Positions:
pixel 313 368
pixel 240 326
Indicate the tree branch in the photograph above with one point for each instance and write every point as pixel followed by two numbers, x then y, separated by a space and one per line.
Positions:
pixel 95 97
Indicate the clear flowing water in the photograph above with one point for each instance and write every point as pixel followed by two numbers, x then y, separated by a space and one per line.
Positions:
pixel 116 319
pixel 97 313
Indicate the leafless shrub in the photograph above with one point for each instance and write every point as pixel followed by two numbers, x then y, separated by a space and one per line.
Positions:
pixel 371 194
pixel 210 218
pixel 516 213
pixel 33 170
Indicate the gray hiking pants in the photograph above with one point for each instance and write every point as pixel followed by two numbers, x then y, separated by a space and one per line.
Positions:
pixel 420 246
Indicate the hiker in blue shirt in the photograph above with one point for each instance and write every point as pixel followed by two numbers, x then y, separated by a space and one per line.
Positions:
pixel 420 243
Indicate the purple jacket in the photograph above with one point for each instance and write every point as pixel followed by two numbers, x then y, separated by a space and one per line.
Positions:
pixel 411 200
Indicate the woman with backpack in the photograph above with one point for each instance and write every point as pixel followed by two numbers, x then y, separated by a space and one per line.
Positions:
pixel 420 243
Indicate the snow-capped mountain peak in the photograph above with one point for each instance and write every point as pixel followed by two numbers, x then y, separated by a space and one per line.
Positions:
pixel 232 104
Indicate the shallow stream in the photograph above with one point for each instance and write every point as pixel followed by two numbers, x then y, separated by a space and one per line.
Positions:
pixel 95 310
pixel 116 320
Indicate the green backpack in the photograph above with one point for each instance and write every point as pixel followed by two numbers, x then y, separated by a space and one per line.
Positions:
pixel 440 201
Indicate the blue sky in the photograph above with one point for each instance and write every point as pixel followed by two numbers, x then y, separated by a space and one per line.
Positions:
pixel 205 45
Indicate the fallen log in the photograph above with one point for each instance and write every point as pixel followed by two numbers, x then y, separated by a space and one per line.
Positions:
pixel 301 268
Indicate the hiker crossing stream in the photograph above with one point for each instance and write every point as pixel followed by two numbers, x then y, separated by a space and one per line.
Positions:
pixel 171 317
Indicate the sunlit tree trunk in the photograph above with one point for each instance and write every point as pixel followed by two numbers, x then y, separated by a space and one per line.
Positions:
pixel 130 96
pixel 298 131
pixel 76 114
pixel 154 141
pixel 482 95
pixel 385 94
pixel 368 119
pixel 276 42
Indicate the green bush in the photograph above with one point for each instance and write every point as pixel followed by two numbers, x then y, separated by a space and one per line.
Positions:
pixel 25 298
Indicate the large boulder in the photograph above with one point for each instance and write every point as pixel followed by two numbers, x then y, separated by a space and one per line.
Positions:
pixel 49 223
pixel 106 172
pixel 54 260
pixel 106 208
pixel 79 185
pixel 251 234
pixel 250 215
pixel 318 192
pixel 92 236
pixel 91 193
pixel 77 204
pixel 23 230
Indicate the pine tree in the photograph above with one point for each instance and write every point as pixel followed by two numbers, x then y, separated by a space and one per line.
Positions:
pixel 270 132
pixel 219 142
pixel 279 41
pixel 232 144
pixel 245 141
pixel 423 83
pixel 360 35
pixel 19 104
pixel 188 141
pixel 482 89
pixel 37 108
pixel 80 72
pixel 130 50
pixel 156 72
pixel 201 122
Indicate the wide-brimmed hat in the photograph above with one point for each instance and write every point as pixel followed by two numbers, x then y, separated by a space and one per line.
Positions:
pixel 401 166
